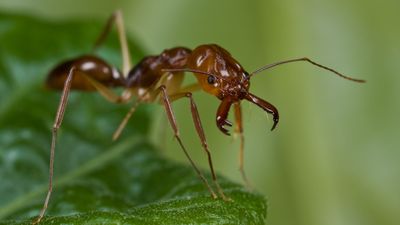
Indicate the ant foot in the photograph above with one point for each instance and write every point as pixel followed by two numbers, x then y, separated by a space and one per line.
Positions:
pixel 226 199
pixel 213 195
pixel 37 220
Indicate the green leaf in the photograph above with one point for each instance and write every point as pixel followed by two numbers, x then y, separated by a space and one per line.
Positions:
pixel 97 181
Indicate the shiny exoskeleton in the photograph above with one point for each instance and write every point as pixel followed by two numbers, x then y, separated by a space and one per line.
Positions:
pixel 222 76
pixel 159 78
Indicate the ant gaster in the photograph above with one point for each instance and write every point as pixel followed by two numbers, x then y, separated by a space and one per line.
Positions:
pixel 159 78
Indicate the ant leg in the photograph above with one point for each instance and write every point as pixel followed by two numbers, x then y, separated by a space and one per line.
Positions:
pixel 57 123
pixel 105 91
pixel 141 98
pixel 239 130
pixel 118 131
pixel 200 132
pixel 172 121
pixel 116 18
pixel 122 125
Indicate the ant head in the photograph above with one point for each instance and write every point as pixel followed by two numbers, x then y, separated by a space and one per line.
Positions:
pixel 219 74
pixel 222 75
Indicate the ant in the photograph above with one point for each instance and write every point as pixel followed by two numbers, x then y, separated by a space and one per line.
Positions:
pixel 158 79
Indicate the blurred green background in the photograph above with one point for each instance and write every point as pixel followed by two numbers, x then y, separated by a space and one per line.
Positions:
pixel 334 158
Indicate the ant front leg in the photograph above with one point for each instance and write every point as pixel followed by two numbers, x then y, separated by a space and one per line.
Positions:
pixel 239 131
pixel 172 120
pixel 202 136
pixel 116 18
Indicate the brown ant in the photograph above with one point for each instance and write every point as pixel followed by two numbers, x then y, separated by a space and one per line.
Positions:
pixel 159 78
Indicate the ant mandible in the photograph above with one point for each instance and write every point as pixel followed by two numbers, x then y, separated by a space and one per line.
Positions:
pixel 159 78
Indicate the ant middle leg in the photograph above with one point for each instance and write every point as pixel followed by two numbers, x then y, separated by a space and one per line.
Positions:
pixel 105 91
pixel 173 81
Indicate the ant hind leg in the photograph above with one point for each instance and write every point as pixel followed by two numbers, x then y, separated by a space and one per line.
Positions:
pixel 57 123
pixel 116 18
pixel 103 90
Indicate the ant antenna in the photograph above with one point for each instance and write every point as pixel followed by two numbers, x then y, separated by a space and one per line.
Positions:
pixel 193 71
pixel 307 60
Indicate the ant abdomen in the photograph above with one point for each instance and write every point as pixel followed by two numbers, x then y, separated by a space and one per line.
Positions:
pixel 87 65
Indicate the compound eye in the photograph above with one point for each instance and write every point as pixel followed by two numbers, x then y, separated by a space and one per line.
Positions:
pixel 211 79
pixel 246 74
